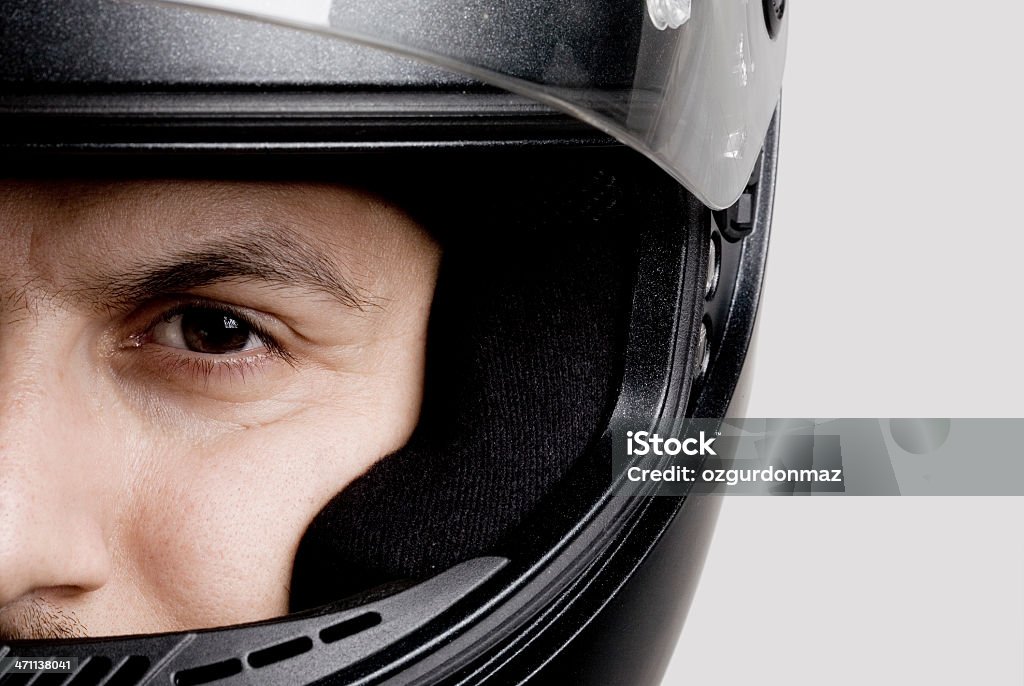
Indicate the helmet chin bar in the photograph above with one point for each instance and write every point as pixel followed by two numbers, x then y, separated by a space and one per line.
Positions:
pixel 487 617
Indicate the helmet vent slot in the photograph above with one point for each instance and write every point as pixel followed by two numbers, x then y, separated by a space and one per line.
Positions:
pixel 130 672
pixel 92 672
pixel 208 673
pixel 280 652
pixel 350 627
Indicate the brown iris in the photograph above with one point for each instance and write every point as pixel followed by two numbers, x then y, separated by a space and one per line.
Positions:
pixel 208 330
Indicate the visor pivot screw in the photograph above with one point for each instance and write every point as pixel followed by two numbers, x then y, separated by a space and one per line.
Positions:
pixel 714 268
pixel 703 350
pixel 668 14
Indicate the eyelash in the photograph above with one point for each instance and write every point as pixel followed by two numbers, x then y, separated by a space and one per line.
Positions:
pixel 204 366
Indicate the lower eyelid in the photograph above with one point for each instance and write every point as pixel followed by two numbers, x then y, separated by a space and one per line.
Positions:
pixel 190 371
pixel 159 380
pixel 179 367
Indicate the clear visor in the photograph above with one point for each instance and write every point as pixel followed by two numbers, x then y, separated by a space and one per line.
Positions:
pixel 692 85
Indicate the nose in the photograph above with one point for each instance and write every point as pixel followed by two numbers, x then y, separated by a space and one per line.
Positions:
pixel 52 504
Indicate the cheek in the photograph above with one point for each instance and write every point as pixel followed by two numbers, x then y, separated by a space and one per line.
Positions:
pixel 214 503
pixel 217 522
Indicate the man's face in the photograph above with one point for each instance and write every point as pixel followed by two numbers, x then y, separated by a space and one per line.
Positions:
pixel 189 371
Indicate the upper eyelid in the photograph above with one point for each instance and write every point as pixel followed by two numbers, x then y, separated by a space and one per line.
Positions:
pixel 178 304
pixel 182 307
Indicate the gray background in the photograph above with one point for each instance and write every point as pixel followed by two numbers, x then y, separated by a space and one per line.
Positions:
pixel 894 287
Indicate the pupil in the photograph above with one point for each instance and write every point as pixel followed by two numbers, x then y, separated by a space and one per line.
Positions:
pixel 214 331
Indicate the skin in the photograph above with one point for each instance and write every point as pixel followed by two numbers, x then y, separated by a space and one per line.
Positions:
pixel 147 487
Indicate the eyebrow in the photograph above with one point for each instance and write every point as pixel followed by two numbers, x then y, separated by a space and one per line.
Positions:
pixel 273 256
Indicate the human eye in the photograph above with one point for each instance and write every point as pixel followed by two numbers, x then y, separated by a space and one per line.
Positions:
pixel 205 340
pixel 207 329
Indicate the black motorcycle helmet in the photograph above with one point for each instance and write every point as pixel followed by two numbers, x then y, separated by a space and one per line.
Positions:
pixel 600 176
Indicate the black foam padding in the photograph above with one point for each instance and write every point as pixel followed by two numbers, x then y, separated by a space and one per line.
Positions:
pixel 525 346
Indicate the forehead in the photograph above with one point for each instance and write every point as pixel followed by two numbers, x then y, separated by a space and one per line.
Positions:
pixel 58 227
